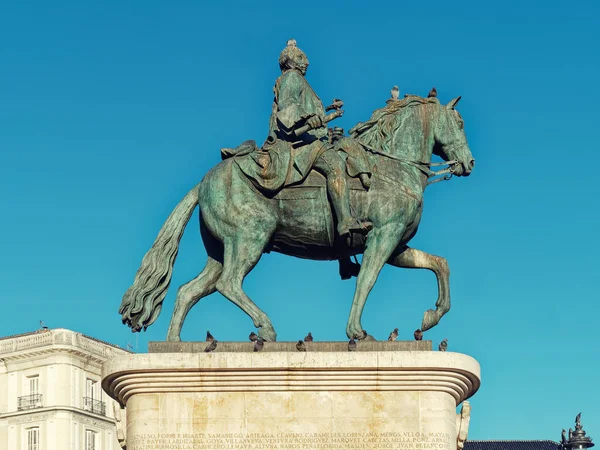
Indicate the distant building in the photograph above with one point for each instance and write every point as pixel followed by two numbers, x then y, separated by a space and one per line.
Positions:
pixel 50 393
pixel 512 445
pixel 572 440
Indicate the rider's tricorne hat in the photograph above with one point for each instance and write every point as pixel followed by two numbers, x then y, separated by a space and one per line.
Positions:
pixel 290 53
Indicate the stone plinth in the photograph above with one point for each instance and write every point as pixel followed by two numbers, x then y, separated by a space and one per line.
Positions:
pixel 321 346
pixel 292 400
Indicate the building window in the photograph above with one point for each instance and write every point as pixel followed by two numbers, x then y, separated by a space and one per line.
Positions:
pixel 34 399
pixel 91 401
pixel 91 389
pixel 34 385
pixel 33 439
pixel 90 440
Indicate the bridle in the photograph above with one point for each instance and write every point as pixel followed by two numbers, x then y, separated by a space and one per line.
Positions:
pixel 424 167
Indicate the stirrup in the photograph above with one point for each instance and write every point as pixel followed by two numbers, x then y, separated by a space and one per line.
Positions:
pixel 355 227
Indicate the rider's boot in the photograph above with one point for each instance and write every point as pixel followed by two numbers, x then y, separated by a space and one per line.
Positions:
pixel 340 199
pixel 348 268
pixel 333 167
pixel 365 180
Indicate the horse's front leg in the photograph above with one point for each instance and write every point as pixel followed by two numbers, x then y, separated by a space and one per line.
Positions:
pixel 411 258
pixel 381 242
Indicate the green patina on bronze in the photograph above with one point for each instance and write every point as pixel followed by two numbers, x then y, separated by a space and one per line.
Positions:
pixel 269 199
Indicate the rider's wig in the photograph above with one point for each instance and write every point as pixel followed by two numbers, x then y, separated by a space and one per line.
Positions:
pixel 290 54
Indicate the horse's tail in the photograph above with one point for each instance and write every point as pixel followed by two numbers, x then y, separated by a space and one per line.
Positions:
pixel 142 302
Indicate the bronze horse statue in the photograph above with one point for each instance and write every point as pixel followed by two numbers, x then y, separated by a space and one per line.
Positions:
pixel 238 223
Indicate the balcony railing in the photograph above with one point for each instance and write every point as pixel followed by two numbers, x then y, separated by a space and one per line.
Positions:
pixel 95 406
pixel 29 402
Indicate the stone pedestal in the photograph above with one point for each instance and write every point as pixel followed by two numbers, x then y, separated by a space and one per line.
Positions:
pixel 315 400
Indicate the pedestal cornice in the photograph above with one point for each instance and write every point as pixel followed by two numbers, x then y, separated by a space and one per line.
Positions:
pixel 454 373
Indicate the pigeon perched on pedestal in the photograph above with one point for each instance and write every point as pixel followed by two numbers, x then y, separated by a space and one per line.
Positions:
pixel 259 344
pixel 300 346
pixel 209 337
pixel 393 335
pixel 308 337
pixel 432 93
pixel 443 345
pixel 253 337
pixel 395 93
pixel 418 335
pixel 211 347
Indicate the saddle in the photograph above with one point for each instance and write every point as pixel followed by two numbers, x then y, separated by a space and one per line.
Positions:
pixel 358 168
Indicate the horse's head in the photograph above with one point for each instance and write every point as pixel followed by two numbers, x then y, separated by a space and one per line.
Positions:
pixel 450 141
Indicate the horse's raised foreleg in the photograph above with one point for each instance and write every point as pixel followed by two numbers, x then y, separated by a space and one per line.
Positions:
pixel 190 293
pixel 381 242
pixel 411 258
pixel 242 252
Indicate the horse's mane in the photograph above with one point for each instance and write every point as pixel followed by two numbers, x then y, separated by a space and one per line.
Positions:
pixel 379 129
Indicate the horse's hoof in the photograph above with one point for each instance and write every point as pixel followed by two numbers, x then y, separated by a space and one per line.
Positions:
pixel 267 334
pixel 430 320
pixel 356 334
pixel 369 338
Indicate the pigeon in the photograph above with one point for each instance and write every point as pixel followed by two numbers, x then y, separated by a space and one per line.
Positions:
pixel 300 346
pixel 432 93
pixel 443 345
pixel 209 337
pixel 335 104
pixel 418 335
pixel 212 346
pixel 563 438
pixel 352 345
pixel 253 337
pixel 308 337
pixel 395 92
pixel 259 344
pixel 393 335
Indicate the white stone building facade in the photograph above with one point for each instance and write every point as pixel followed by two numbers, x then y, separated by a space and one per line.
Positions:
pixel 50 393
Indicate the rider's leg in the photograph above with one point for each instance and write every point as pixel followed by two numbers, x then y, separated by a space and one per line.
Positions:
pixel 331 165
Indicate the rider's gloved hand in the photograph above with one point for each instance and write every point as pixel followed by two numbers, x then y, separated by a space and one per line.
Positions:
pixel 315 122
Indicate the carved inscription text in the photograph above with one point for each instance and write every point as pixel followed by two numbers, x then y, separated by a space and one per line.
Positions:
pixel 293 441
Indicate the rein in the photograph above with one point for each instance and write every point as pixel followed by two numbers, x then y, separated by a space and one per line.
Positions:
pixel 422 166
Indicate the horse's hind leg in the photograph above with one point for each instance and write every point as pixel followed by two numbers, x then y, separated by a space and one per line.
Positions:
pixel 242 252
pixel 411 258
pixel 189 294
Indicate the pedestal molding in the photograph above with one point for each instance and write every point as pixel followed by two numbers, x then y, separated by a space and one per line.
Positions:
pixel 453 373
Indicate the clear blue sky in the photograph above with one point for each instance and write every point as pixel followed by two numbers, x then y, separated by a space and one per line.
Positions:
pixel 110 111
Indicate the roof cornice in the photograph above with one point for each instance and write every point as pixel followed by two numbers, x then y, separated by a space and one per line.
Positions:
pixel 57 341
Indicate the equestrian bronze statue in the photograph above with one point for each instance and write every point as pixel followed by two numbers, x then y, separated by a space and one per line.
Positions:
pixel 314 193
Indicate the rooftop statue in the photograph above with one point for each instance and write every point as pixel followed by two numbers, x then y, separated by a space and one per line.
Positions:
pixel 312 193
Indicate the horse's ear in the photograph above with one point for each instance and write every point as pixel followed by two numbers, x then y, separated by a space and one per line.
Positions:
pixel 452 103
